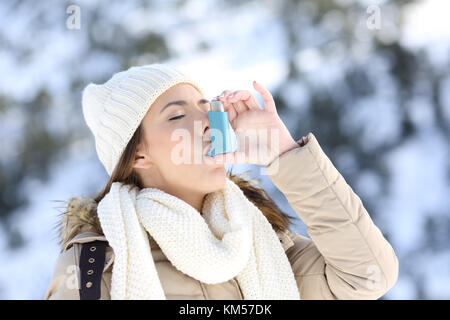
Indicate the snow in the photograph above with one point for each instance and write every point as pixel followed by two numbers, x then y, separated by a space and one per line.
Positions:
pixel 419 185
pixel 428 27
pixel 28 271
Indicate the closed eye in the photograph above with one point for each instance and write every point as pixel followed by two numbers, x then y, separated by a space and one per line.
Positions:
pixel 177 117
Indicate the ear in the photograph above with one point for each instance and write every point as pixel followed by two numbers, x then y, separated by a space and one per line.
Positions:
pixel 142 159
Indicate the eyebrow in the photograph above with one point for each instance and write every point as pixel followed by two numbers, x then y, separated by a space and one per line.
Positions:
pixel 182 103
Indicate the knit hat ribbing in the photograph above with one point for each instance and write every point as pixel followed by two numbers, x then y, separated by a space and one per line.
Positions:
pixel 114 110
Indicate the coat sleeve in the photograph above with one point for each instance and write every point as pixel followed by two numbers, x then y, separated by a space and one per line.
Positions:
pixel 64 283
pixel 347 256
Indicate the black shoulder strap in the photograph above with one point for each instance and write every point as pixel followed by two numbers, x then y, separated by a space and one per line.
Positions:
pixel 92 261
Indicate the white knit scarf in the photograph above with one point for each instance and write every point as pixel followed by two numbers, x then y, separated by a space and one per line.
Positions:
pixel 232 239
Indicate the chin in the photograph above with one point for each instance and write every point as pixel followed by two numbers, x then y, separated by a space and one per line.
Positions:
pixel 216 178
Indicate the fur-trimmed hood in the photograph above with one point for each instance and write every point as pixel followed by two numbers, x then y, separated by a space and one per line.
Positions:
pixel 80 213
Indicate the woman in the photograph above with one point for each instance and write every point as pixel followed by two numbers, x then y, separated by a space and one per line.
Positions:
pixel 187 229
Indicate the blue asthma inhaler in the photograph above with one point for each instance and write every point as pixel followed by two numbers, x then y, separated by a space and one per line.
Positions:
pixel 223 138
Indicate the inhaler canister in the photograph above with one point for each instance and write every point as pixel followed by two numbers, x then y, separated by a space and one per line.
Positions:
pixel 223 137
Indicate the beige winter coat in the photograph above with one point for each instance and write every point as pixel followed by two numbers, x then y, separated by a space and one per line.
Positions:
pixel 346 256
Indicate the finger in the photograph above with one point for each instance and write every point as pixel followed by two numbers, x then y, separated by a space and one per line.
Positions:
pixel 247 97
pixel 269 103
pixel 224 93
pixel 240 107
pixel 232 112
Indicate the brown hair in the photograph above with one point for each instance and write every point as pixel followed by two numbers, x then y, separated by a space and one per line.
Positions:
pixel 125 173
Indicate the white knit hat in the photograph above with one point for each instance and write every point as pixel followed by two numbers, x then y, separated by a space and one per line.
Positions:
pixel 114 110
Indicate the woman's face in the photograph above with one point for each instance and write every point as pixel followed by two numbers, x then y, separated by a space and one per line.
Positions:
pixel 177 136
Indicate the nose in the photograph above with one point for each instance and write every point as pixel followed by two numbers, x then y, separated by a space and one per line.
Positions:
pixel 205 132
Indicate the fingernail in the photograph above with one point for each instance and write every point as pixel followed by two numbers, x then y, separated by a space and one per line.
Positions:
pixel 231 95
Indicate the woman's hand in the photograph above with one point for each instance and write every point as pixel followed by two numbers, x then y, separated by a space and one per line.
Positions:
pixel 260 133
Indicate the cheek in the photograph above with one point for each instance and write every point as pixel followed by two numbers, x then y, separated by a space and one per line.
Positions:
pixel 166 145
pixel 159 145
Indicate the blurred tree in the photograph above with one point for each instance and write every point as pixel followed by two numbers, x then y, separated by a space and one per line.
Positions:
pixel 40 146
pixel 346 113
